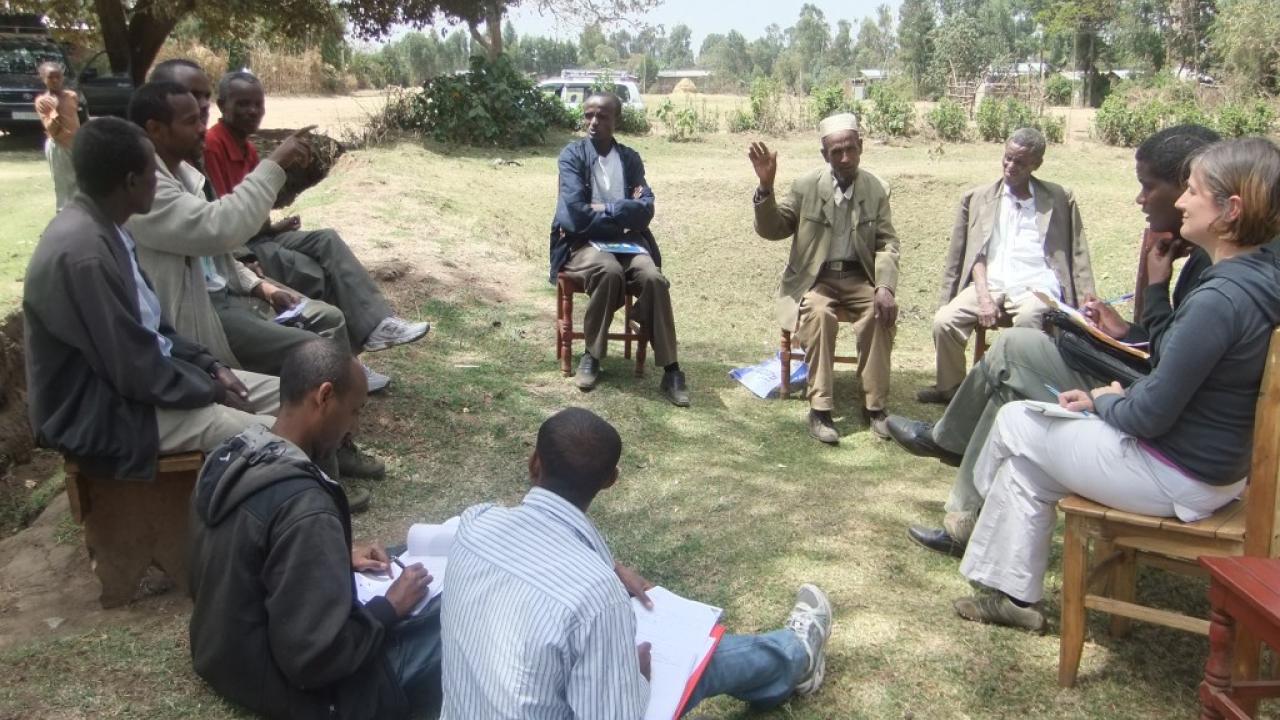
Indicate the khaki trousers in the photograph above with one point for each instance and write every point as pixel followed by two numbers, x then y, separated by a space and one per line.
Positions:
pixel 816 332
pixel 204 428
pixel 954 322
pixel 605 277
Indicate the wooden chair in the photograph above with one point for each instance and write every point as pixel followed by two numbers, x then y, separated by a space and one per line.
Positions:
pixel 980 345
pixel 789 354
pixel 1244 595
pixel 1121 540
pixel 129 524
pixel 566 287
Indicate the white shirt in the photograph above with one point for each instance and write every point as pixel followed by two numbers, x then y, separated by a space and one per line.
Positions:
pixel 842 195
pixel 1015 253
pixel 535 623
pixel 608 184
pixel 148 303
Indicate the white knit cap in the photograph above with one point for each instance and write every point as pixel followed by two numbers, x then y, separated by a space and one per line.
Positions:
pixel 838 123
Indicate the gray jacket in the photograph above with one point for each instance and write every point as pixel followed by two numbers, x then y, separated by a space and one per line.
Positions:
pixel 95 374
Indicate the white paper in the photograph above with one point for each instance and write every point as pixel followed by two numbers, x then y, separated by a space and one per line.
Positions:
pixel 1056 410
pixel 292 313
pixel 679 633
pixel 429 545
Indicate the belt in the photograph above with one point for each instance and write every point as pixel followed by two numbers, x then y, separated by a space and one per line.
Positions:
pixel 843 266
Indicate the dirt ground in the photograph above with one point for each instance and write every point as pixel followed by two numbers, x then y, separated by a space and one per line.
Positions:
pixel 335 115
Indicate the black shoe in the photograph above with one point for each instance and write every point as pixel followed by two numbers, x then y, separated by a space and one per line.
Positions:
pixel 933 394
pixel 673 386
pixel 588 372
pixel 822 428
pixel 937 540
pixel 878 422
pixel 354 462
pixel 916 437
pixel 357 499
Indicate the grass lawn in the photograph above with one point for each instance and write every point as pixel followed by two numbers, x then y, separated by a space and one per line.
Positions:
pixel 729 501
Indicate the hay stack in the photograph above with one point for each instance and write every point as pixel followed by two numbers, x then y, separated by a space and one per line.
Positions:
pixel 326 152
pixel 684 87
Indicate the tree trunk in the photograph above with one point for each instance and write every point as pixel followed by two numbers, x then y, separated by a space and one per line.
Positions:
pixel 115 33
pixel 147 32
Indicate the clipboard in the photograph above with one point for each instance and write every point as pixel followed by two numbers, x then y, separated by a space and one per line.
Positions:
pixel 717 633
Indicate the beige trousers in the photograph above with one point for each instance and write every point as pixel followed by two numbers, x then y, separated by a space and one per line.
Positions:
pixel 605 276
pixel 816 332
pixel 204 428
pixel 955 321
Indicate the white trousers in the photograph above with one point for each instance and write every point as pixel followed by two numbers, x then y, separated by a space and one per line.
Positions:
pixel 1032 461
pixel 63 172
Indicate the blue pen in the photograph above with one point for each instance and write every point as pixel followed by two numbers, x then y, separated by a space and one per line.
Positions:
pixel 1057 392
pixel 1119 299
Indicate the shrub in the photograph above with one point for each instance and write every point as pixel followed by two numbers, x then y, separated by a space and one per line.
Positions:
pixel 1057 90
pixel 1236 120
pixel 990 118
pixel 1016 115
pixel 491 105
pixel 949 120
pixel 682 123
pixel 827 100
pixel 1054 128
pixel 1119 124
pixel 632 122
pixel 890 114
pixel 740 121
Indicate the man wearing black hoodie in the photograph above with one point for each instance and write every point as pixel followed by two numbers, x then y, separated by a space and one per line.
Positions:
pixel 276 625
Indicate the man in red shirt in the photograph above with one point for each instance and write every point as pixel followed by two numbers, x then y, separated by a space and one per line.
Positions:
pixel 316 263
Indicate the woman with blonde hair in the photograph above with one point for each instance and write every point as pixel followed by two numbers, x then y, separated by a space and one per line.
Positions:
pixel 1174 444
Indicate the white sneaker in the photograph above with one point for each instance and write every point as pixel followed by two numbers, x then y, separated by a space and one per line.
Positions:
pixel 811 621
pixel 394 331
pixel 377 381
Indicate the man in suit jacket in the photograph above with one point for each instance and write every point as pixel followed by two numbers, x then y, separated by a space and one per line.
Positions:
pixel 604 197
pixel 844 257
pixel 110 382
pixel 1017 235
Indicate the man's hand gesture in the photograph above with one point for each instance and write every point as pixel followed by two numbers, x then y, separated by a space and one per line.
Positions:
pixel 765 163
pixel 295 151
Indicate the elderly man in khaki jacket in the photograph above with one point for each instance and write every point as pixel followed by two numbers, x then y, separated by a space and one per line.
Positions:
pixel 1017 235
pixel 844 257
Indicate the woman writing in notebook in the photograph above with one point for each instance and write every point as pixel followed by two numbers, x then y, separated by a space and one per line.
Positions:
pixel 1177 442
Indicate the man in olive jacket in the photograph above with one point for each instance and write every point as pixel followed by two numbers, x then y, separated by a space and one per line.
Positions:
pixel 843 263
pixel 109 382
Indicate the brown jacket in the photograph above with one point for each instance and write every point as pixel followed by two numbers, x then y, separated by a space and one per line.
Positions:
pixel 1057 216
pixel 806 213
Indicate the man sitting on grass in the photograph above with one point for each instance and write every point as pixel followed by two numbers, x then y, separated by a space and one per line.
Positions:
pixel 276 625
pixel 537 621
pixel 110 383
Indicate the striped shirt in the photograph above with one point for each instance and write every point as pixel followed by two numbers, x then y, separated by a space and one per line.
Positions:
pixel 535 623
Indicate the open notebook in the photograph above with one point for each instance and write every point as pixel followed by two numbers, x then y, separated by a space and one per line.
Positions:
pixel 1079 319
pixel 682 634
pixel 427 544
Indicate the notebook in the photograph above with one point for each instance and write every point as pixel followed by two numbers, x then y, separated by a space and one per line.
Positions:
pixel 682 634
pixel 427 544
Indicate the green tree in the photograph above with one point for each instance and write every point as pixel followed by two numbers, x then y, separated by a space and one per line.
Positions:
pixel 962 52
pixel 842 49
pixel 591 38
pixel 678 49
pixel 1083 21
pixel 1247 34
pixel 810 38
pixel 915 40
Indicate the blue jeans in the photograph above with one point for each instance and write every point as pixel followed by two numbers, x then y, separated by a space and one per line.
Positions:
pixel 760 669
pixel 412 651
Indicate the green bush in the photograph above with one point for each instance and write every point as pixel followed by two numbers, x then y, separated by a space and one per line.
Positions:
pixel 740 121
pixel 632 122
pixel 493 105
pixel 949 120
pixel 1017 115
pixel 682 123
pixel 990 119
pixel 1057 90
pixel 890 114
pixel 1237 120
pixel 1054 128
pixel 827 100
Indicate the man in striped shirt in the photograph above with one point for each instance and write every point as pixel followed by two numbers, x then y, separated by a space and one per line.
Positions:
pixel 537 622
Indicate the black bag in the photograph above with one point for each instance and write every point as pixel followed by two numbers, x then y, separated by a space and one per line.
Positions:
pixel 1082 353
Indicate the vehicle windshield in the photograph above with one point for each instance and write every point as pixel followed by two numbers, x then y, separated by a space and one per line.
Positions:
pixel 23 57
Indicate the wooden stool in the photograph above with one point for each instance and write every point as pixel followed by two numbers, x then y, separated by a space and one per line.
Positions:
pixel 566 287
pixel 1244 593
pixel 130 524
pixel 789 354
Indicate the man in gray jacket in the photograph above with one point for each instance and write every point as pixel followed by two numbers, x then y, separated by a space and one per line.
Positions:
pixel 110 383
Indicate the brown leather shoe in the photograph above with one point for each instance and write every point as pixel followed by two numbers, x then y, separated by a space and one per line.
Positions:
pixel 935 395
pixel 822 428
pixel 878 421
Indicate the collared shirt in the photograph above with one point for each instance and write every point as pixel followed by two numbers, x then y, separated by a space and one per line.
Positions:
pixel 148 303
pixel 535 623
pixel 1015 253
pixel 226 160
pixel 842 195
pixel 842 227
pixel 608 185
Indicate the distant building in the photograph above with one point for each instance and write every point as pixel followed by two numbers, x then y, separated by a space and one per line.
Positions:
pixel 856 87
pixel 668 79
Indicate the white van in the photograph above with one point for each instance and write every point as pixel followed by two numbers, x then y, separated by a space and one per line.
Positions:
pixel 573 90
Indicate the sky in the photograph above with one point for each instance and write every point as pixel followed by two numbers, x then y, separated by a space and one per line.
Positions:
pixel 749 17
